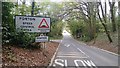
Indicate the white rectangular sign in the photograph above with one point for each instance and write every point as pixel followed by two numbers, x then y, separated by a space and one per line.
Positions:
pixel 41 39
pixel 32 24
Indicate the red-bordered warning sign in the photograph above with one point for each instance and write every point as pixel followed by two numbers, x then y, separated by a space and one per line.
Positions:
pixel 43 24
pixel 32 24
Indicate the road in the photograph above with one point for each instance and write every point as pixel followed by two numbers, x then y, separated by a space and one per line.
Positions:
pixel 72 54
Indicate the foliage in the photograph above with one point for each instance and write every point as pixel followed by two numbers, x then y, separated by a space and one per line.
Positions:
pixel 94 15
pixel 9 33
pixel 84 20
pixel 7 22
pixel 79 25
pixel 56 30
pixel 11 36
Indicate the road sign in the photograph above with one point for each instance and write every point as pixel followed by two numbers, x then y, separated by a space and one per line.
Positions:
pixel 43 24
pixel 32 24
pixel 41 39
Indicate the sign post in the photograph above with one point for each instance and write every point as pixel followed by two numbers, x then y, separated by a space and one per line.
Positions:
pixel 34 24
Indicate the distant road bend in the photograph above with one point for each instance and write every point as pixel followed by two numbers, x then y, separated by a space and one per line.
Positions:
pixel 72 53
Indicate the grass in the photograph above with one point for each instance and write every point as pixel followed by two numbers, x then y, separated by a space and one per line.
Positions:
pixel 56 38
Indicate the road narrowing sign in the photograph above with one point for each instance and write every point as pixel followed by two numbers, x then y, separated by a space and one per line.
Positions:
pixel 32 24
pixel 43 24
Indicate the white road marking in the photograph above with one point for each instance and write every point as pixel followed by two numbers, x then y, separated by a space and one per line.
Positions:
pixel 66 63
pixel 82 52
pixel 77 62
pixel 65 53
pixel 79 49
pixel 72 56
pixel 51 62
pixel 68 54
pixel 89 62
pixel 67 45
pixel 54 65
pixel 85 63
pixel 58 62
pixel 105 50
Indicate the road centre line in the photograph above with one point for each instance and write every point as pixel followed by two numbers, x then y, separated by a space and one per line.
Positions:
pixel 82 52
pixel 79 49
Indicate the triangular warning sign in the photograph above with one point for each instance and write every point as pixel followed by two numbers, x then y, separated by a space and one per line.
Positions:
pixel 43 24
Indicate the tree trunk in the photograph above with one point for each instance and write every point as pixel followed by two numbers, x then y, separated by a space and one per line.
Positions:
pixel 107 32
pixel 113 20
pixel 111 4
pixel 119 27
pixel 32 11
pixel 104 25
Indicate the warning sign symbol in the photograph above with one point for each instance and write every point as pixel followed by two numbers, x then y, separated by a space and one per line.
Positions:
pixel 43 24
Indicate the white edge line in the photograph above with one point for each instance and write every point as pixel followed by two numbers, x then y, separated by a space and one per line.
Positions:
pixel 106 51
pixel 99 48
pixel 51 62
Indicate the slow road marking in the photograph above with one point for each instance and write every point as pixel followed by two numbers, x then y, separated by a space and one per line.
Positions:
pixel 77 62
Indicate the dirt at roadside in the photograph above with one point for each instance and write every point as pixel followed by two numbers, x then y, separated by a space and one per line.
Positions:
pixel 16 56
pixel 104 45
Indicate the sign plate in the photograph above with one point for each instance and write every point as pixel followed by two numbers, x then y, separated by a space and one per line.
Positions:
pixel 32 24
pixel 41 39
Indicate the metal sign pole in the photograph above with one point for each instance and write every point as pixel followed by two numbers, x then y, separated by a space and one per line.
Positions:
pixel 44 46
pixel 33 4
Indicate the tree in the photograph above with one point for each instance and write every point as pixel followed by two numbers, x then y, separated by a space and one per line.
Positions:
pixel 112 4
pixel 7 22
pixel 119 24
pixel 103 21
pixel 32 11
pixel 89 12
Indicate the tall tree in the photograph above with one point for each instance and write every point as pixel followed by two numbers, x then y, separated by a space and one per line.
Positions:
pixel 103 21
pixel 112 4
pixel 89 12
pixel 119 24
pixel 82 11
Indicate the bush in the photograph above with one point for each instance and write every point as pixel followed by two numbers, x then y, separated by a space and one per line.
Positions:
pixel 56 30
pixel 9 34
